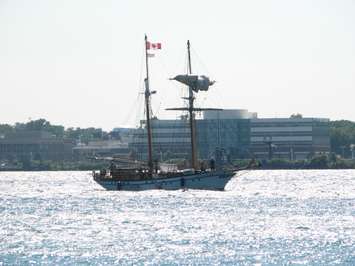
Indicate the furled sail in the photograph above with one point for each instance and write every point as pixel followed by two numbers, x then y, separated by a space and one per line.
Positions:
pixel 197 83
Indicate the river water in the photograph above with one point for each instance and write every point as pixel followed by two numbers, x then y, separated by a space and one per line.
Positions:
pixel 263 218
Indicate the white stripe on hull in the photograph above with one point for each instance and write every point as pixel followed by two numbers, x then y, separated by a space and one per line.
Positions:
pixel 208 181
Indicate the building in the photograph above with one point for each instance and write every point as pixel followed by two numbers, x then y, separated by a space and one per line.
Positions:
pixel 228 130
pixel 35 145
pixel 239 133
pixel 229 114
pixel 101 148
pixel 289 138
pixel 171 139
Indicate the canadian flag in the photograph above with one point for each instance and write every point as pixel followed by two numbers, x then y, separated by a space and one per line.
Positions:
pixel 153 46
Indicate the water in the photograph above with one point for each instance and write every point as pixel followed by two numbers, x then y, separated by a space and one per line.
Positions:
pixel 264 218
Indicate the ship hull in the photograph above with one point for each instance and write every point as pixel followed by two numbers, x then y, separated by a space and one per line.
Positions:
pixel 215 180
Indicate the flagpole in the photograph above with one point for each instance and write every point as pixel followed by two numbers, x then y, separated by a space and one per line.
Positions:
pixel 147 107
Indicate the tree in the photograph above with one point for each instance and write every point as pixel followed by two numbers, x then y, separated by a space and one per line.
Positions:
pixel 86 134
pixel 37 125
pixel 297 115
pixel 320 161
pixel 342 135
pixel 6 129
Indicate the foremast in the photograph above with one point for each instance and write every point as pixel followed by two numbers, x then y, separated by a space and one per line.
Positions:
pixel 147 94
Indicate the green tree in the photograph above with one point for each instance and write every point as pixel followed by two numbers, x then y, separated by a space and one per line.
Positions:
pixel 298 115
pixel 320 161
pixel 342 135
pixel 6 129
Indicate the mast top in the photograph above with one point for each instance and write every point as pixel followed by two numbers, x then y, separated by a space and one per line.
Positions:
pixel 147 107
pixel 189 58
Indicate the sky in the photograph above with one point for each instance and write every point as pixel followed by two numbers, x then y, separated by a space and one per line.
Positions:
pixel 79 63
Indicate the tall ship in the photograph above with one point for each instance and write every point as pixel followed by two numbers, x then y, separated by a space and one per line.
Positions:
pixel 129 175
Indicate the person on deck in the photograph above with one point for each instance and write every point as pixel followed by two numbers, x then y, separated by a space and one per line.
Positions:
pixel 212 164
pixel 112 168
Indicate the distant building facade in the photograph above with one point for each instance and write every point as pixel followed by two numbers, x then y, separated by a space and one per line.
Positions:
pixel 227 130
pixel 35 145
pixel 289 138
pixel 171 139
pixel 101 148
pixel 239 133
pixel 229 114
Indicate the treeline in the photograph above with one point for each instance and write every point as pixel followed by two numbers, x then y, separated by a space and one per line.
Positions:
pixel 342 137
pixel 83 134
pixel 330 161
pixel 342 133
pixel 323 161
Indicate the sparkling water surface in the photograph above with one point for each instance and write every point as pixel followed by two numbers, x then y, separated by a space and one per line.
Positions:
pixel 263 218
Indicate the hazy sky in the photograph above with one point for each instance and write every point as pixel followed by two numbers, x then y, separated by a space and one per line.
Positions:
pixel 79 62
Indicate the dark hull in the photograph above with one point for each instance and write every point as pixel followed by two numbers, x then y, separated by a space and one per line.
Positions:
pixel 215 180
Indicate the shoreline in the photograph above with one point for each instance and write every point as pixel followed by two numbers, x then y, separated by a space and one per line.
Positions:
pixel 251 169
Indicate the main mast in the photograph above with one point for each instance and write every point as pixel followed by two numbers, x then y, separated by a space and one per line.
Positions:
pixel 147 94
pixel 195 83
pixel 192 115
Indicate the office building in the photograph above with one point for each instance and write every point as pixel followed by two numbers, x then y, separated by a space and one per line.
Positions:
pixel 35 145
pixel 289 138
